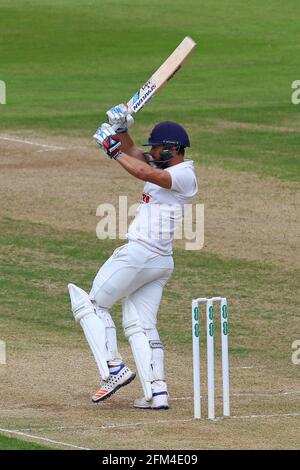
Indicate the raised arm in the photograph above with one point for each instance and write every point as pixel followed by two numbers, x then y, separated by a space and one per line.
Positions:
pixel 112 146
pixel 145 172
pixel 129 147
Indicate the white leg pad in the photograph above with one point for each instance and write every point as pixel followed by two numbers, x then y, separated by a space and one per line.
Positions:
pixel 93 327
pixel 157 359
pixel 139 343
pixel 111 336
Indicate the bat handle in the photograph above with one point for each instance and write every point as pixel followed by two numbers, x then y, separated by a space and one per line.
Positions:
pixel 115 127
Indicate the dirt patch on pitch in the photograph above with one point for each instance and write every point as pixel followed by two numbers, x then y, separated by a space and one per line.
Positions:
pixel 251 217
pixel 246 216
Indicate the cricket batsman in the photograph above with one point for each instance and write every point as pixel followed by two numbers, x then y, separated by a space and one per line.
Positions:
pixel 138 271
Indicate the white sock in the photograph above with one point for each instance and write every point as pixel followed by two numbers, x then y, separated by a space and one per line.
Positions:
pixel 159 386
pixel 114 367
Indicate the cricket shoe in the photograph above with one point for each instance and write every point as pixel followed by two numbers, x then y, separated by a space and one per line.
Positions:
pixel 116 380
pixel 159 401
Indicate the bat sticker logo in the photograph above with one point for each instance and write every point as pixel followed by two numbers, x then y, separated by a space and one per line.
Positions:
pixel 139 100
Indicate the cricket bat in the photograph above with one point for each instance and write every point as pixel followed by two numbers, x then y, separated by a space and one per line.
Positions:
pixel 162 75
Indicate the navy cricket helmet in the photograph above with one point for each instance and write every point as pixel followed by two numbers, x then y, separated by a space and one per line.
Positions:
pixel 168 133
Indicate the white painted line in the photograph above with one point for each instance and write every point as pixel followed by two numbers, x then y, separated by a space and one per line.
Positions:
pixel 167 421
pixel 125 425
pixel 266 394
pixel 243 367
pixel 251 394
pixel 59 428
pixel 142 423
pixel 278 415
pixel 39 438
pixel 181 398
pixel 109 425
pixel 49 149
pixel 161 421
pixel 28 142
pixel 240 394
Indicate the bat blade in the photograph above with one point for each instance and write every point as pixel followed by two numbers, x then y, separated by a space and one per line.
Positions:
pixel 162 75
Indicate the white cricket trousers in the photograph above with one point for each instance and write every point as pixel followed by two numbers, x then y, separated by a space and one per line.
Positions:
pixel 135 272
pixel 139 275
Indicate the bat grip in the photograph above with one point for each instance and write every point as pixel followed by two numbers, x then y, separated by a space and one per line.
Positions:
pixel 115 127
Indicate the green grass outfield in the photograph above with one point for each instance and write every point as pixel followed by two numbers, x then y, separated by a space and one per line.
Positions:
pixel 11 443
pixel 66 61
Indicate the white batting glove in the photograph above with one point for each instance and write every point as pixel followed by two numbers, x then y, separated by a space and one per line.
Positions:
pixel 107 139
pixel 120 118
pixel 104 131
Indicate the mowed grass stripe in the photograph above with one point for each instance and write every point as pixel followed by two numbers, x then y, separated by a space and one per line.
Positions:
pixel 62 75
pixel 12 443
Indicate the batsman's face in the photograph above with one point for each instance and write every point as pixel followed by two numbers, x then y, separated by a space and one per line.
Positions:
pixel 155 151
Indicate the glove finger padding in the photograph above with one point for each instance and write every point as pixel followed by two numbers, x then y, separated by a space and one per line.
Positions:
pixel 120 118
pixel 129 120
pixel 104 131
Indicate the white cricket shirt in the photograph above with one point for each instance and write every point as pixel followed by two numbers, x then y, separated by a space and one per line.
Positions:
pixel 161 210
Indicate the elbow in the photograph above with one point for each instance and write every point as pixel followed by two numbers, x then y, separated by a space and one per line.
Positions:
pixel 142 174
